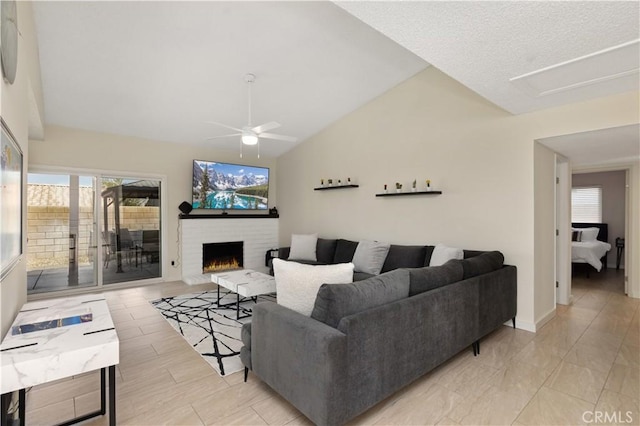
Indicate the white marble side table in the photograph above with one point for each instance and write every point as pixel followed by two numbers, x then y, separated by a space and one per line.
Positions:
pixel 57 338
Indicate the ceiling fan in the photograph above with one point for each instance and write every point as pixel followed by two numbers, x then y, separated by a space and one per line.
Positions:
pixel 251 135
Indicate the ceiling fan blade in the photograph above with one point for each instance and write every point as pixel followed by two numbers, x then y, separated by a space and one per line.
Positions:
pixel 278 137
pixel 223 136
pixel 224 125
pixel 266 127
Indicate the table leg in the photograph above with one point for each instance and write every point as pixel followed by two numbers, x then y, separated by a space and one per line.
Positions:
pixel 22 407
pixel 237 306
pixel 112 395
pixel 4 407
pixel 103 391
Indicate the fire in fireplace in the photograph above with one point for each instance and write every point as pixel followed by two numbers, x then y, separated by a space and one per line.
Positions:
pixel 218 257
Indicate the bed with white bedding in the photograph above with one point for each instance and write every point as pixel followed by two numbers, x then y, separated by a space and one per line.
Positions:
pixel 589 244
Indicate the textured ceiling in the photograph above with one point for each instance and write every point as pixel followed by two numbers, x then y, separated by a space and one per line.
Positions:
pixel 484 45
pixel 160 70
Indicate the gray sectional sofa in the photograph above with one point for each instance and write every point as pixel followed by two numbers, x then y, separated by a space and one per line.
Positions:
pixel 368 339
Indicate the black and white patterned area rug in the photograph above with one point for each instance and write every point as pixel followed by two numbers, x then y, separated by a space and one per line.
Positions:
pixel 212 331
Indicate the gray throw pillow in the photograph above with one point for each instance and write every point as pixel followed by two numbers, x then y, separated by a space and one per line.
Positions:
pixel 337 301
pixel 482 264
pixel 369 256
pixel 425 279
pixel 303 247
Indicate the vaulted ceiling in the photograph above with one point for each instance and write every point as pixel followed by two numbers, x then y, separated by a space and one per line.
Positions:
pixel 160 70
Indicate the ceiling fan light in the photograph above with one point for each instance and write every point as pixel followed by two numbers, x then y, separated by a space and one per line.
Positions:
pixel 249 139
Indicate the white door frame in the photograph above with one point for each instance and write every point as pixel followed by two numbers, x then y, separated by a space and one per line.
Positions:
pixel 563 231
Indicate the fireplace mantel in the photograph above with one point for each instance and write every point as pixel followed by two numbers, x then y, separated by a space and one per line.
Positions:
pixel 228 216
pixel 258 234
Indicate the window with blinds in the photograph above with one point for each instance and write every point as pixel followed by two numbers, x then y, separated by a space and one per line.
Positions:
pixel 586 204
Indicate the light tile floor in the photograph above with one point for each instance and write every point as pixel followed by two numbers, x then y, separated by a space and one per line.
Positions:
pixel 583 363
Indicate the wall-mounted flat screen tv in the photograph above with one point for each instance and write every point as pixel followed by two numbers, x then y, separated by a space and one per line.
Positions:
pixel 225 186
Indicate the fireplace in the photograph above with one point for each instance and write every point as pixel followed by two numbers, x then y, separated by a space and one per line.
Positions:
pixel 218 257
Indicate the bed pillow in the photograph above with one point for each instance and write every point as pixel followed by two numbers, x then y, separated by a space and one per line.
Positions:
pixel 303 247
pixel 442 254
pixel 576 235
pixel 369 256
pixel 297 284
pixel 589 234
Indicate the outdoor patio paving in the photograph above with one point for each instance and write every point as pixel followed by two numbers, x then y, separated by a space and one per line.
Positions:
pixel 56 279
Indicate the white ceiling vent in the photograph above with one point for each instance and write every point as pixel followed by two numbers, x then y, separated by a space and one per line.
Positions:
pixel 618 65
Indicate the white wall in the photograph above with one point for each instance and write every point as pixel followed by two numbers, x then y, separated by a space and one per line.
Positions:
pixel 16 101
pixel 613 203
pixel 72 148
pixel 481 157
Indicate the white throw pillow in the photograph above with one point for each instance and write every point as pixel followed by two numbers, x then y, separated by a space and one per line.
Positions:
pixel 297 284
pixel 589 234
pixel 303 247
pixel 370 256
pixel 442 254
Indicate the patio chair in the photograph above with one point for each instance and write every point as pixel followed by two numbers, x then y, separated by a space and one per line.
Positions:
pixel 151 245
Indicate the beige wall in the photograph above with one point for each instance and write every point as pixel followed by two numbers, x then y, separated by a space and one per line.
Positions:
pixel 613 203
pixel 65 149
pixel 545 240
pixel 481 157
pixel 15 103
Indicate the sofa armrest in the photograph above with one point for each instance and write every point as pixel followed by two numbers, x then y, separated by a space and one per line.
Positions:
pixel 304 360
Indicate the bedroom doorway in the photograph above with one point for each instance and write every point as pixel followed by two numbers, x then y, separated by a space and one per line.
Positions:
pixel 610 208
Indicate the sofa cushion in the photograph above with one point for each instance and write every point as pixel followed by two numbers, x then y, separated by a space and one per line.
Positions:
pixel 303 247
pixel 344 251
pixel 337 301
pixel 427 257
pixel 297 284
pixel 404 257
pixel 369 256
pixel 482 264
pixel 326 250
pixel 472 253
pixel 428 278
pixel 359 276
pixel 442 254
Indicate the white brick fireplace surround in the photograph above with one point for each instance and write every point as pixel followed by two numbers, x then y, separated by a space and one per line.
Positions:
pixel 258 235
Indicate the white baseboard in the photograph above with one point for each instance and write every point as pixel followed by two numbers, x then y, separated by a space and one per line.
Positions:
pixel 522 325
pixel 197 279
pixel 546 318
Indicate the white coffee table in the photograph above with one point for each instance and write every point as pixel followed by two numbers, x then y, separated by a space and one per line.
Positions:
pixel 59 338
pixel 245 283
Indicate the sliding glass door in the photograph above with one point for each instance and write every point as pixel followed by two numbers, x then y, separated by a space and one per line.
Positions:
pixel 81 236
pixel 60 232
pixel 131 229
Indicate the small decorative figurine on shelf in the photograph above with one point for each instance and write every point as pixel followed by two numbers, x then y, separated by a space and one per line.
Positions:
pixel 428 185
pixel 398 187
pixel 348 181
pixel 385 188
pixel 330 182
pixel 413 186
pixel 339 182
pixel 321 182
